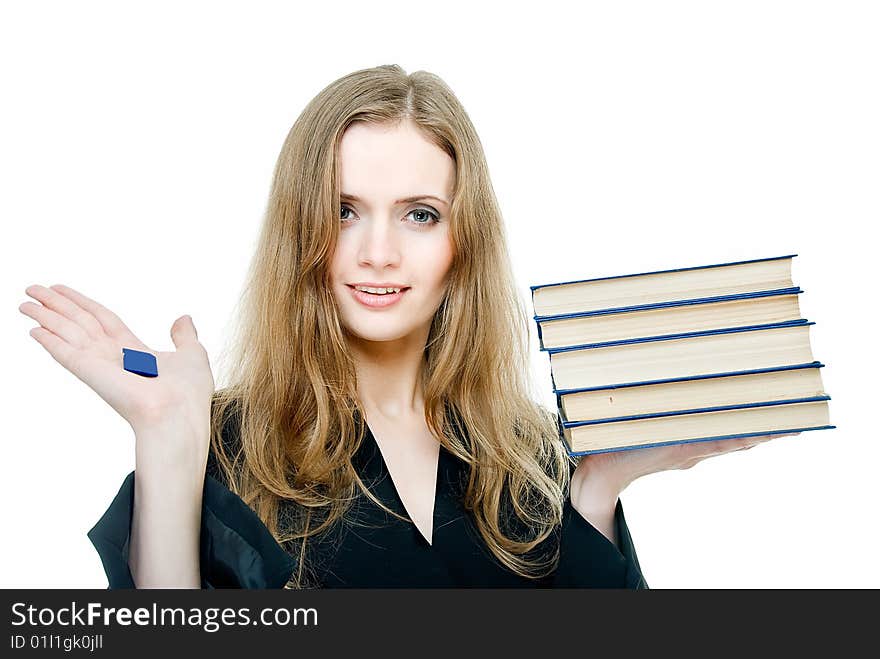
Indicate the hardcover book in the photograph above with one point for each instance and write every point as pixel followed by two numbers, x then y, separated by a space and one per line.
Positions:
pixel 685 355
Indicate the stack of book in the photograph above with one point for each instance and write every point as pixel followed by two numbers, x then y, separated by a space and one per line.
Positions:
pixel 693 354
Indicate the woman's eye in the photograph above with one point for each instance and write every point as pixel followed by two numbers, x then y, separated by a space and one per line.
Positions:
pixel 423 216
pixel 420 216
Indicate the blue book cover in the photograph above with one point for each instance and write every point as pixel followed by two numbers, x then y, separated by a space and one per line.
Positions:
pixel 562 392
pixel 658 272
pixel 662 305
pixel 690 441
pixel 680 335
pixel 749 328
pixel 561 424
pixel 698 410
pixel 793 290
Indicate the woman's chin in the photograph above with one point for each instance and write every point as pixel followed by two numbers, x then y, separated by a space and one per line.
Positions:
pixel 379 335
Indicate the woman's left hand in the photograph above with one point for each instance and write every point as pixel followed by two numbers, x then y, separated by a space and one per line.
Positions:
pixel 606 475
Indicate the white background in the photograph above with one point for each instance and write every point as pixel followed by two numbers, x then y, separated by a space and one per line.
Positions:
pixel 137 143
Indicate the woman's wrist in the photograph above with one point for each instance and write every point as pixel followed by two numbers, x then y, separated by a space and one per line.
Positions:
pixel 595 488
pixel 178 451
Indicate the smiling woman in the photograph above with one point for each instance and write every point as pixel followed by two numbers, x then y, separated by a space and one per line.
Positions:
pixel 390 239
pixel 377 427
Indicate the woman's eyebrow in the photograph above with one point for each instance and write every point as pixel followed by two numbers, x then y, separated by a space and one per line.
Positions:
pixel 405 200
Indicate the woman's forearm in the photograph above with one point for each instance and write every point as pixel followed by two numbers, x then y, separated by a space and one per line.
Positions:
pixel 166 516
pixel 595 497
pixel 599 511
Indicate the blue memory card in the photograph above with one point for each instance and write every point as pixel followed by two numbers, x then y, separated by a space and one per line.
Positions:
pixel 142 363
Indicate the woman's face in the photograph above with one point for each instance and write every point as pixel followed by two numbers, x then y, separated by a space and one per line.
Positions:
pixel 396 188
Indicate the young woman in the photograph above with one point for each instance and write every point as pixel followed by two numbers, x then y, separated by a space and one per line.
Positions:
pixel 378 428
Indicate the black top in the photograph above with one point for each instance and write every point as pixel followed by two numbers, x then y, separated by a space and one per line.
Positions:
pixel 373 549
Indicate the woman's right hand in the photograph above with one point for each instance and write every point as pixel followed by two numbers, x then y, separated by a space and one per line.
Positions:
pixel 87 339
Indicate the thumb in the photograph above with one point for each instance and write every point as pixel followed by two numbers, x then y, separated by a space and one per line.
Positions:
pixel 183 332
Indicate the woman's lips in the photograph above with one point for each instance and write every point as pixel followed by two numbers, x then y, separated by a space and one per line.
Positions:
pixel 376 300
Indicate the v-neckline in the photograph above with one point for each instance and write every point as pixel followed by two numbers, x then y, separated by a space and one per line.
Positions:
pixel 437 484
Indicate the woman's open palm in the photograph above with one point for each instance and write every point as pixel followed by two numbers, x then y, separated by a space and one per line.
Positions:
pixel 87 339
pixel 623 467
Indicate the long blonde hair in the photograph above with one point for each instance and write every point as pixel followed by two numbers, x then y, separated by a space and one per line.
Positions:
pixel 292 381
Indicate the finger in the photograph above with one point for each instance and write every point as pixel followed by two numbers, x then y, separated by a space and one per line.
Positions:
pixel 738 445
pixel 61 351
pixel 720 446
pixel 109 322
pixel 59 325
pixel 724 445
pixel 183 332
pixel 66 308
pixel 760 439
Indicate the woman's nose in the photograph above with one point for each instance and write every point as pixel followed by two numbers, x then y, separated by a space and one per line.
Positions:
pixel 379 243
